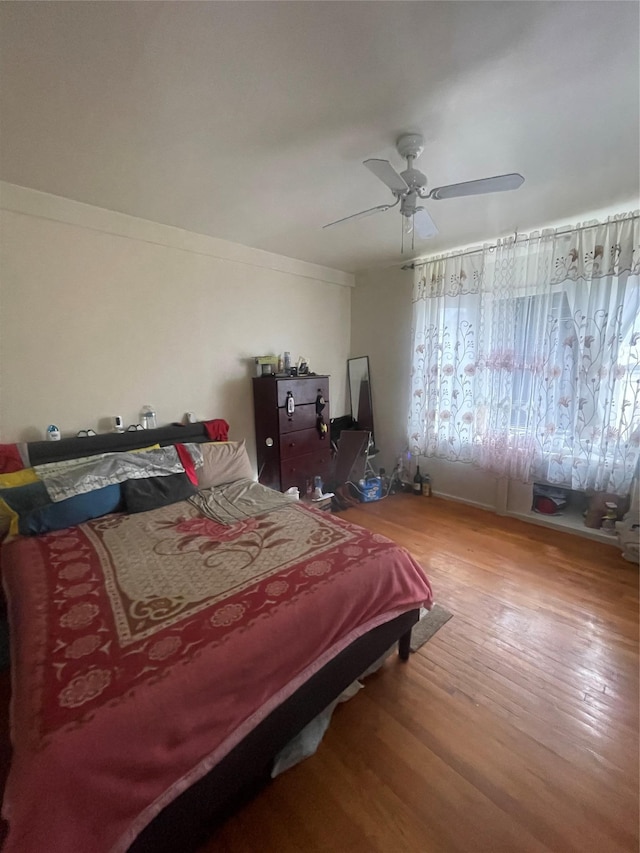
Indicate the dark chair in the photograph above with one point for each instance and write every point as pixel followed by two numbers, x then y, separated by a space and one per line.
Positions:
pixel 351 457
pixel 338 426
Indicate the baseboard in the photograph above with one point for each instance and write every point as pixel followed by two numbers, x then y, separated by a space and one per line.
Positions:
pixel 561 524
pixel 478 504
pixel 550 522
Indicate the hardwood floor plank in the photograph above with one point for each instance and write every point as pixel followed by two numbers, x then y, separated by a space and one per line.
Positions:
pixel 516 726
pixel 519 786
pixel 404 760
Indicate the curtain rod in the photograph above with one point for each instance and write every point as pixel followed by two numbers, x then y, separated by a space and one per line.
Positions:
pixel 413 264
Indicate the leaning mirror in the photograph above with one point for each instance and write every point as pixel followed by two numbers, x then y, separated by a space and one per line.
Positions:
pixel 360 393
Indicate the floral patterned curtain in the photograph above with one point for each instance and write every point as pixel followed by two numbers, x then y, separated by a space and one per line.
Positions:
pixel 526 356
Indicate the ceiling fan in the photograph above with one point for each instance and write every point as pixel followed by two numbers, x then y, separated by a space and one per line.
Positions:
pixel 410 186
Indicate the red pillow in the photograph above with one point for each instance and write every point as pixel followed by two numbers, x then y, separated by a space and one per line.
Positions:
pixel 10 459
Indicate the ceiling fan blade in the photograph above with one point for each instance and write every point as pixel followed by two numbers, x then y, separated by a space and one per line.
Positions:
pixel 371 210
pixel 497 184
pixel 424 224
pixel 384 170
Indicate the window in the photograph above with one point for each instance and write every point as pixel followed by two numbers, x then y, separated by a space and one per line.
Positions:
pixel 526 357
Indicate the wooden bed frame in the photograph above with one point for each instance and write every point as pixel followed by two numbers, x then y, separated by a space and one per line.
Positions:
pixel 187 821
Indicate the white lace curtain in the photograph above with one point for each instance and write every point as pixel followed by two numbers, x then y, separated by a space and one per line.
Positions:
pixel 526 356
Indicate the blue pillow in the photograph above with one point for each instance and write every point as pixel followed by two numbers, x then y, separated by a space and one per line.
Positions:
pixel 37 514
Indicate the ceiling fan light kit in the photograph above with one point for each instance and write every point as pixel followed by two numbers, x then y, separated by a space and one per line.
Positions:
pixel 410 186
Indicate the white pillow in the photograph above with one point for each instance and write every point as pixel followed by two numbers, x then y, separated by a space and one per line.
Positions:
pixel 224 462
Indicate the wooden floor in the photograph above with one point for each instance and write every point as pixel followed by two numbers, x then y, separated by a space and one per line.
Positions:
pixel 514 729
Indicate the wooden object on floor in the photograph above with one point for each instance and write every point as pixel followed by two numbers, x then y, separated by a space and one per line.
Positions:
pixel 515 728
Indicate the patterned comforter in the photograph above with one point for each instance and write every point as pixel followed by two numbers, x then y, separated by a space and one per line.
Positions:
pixel 146 646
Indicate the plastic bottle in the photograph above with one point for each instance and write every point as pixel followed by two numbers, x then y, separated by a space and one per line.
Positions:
pixel 148 417
pixel 317 487
pixel 426 486
pixel 609 518
pixel 287 362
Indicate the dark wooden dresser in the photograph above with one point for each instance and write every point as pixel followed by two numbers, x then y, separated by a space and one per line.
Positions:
pixel 291 447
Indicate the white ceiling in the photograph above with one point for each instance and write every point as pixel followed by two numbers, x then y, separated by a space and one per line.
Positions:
pixel 249 121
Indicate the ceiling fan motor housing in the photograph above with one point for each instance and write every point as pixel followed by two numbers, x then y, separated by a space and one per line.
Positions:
pixel 414 178
pixel 410 146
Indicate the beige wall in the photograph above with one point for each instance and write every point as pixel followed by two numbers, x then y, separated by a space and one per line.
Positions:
pixel 101 313
pixel 381 328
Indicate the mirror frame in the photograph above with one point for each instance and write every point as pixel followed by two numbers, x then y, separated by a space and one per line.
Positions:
pixel 358 376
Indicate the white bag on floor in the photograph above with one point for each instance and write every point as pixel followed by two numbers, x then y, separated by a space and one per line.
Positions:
pixel 306 742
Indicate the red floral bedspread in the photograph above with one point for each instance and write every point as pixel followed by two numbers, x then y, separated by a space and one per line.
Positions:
pixel 146 646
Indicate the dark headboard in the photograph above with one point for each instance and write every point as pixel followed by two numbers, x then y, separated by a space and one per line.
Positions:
pixel 71 448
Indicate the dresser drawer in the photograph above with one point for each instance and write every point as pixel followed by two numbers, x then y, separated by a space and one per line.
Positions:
pixel 290 451
pixel 303 390
pixel 297 471
pixel 300 443
pixel 304 417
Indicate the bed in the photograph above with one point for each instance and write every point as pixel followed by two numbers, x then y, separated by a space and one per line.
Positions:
pixel 162 657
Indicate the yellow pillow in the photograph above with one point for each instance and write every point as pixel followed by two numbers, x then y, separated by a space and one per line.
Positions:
pixel 9 518
pixel 18 478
